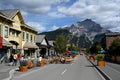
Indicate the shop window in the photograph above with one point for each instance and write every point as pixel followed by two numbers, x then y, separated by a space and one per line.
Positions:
pixel 6 32
pixel 31 38
pixel 27 37
pixel 23 36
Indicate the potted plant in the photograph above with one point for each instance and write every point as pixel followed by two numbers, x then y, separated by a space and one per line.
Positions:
pixel 100 59
pixel 30 64
pixel 23 66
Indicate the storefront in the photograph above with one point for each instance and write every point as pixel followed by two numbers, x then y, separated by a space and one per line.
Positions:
pixel 5 50
pixel 30 50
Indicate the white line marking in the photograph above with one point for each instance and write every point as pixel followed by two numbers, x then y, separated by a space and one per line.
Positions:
pixel 63 71
pixel 99 74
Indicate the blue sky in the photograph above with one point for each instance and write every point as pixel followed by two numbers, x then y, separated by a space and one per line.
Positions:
pixel 46 15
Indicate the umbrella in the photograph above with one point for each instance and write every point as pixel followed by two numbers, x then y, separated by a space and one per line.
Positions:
pixel 74 52
pixel 68 51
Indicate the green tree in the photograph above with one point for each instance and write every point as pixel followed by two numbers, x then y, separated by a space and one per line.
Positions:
pixel 60 43
pixel 74 48
pixel 114 49
pixel 95 48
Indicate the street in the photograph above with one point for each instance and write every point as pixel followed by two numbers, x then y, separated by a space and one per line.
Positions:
pixel 80 69
pixel 112 70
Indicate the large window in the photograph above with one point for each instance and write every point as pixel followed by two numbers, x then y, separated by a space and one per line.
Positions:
pixel 13 32
pixel 6 32
pixel 31 38
pixel 23 36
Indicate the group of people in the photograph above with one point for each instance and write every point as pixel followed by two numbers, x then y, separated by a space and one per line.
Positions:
pixel 14 58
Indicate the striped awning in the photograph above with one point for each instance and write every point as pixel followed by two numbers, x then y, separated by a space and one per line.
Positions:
pixel 30 45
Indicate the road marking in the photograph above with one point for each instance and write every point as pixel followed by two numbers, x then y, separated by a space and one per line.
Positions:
pixel 63 71
pixel 99 74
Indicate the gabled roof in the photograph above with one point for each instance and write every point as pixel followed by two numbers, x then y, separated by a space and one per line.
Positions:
pixel 9 13
pixel 51 43
pixel 39 38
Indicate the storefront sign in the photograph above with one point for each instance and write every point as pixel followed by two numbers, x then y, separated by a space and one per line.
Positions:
pixel 25 48
pixel 1 42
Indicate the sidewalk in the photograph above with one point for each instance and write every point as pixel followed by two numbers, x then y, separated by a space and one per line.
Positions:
pixel 5 71
pixel 111 70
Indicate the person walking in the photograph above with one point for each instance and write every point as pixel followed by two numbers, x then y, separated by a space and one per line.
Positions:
pixel 19 57
pixel 15 59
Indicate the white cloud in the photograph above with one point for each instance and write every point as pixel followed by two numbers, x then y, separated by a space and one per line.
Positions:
pixel 56 15
pixel 54 28
pixel 103 11
pixel 31 6
pixel 25 14
pixel 37 26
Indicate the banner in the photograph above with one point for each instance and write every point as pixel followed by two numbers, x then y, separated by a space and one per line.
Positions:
pixel 1 42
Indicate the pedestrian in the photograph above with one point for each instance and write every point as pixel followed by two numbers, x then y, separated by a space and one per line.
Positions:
pixel 15 59
pixel 62 60
pixel 40 59
pixel 19 56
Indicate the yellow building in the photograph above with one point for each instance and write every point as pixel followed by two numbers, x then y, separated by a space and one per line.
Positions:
pixel 17 36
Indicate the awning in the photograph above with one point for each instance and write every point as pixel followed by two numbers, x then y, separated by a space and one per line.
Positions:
pixel 30 45
pixel 6 43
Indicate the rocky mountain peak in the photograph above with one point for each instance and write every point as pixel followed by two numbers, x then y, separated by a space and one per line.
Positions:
pixel 81 33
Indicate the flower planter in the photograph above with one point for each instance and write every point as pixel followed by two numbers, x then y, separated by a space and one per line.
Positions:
pixel 101 63
pixel 92 58
pixel 30 64
pixel 42 63
pixel 23 68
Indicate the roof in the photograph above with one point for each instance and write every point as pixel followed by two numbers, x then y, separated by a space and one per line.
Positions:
pixel 30 45
pixel 30 27
pixel 112 34
pixel 51 43
pixel 9 13
pixel 39 38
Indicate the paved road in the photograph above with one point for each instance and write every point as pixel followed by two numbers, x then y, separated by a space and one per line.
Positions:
pixel 80 69
pixel 112 70
pixel 4 70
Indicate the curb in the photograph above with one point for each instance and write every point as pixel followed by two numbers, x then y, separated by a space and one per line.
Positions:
pixel 11 74
pixel 105 76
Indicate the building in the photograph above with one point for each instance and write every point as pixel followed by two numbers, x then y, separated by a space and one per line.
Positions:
pixel 110 37
pixel 17 36
pixel 43 44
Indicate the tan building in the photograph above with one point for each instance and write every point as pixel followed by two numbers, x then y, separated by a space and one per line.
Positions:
pixel 17 36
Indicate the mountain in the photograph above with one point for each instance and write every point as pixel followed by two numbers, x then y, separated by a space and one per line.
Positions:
pixel 82 34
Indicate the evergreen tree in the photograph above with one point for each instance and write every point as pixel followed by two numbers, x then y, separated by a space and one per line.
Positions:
pixel 60 43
